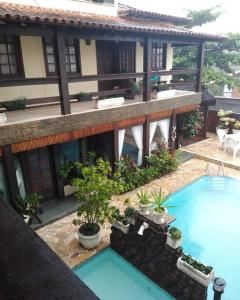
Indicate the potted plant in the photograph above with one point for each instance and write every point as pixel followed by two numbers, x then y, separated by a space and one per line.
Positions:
pixel 82 97
pixel 201 273
pixel 236 127
pixel 224 122
pixel 120 221
pixel 69 171
pixel 174 238
pixel 15 104
pixel 95 189
pixel 129 213
pixel 144 205
pixel 160 209
pixel 135 90
pixel 28 207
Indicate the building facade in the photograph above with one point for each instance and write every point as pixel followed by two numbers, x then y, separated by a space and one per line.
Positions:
pixel 118 56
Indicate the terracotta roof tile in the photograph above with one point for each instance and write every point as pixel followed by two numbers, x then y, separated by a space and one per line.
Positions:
pixel 28 13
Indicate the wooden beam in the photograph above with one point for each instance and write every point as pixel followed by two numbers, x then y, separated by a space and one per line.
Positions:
pixel 200 61
pixel 147 69
pixel 116 145
pixel 8 160
pixel 146 137
pixel 63 81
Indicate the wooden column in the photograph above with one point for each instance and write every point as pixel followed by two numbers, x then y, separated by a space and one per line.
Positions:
pixel 147 69
pixel 146 137
pixel 55 157
pixel 63 81
pixel 200 61
pixel 8 159
pixel 116 146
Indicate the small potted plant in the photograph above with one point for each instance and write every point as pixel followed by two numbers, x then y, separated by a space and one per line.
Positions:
pixel 160 209
pixel 120 221
pixel 195 269
pixel 129 213
pixel 224 122
pixel 174 238
pixel 15 104
pixel 95 189
pixel 236 127
pixel 82 97
pixel 144 205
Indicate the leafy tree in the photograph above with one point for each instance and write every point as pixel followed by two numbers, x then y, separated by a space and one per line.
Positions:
pixel 221 58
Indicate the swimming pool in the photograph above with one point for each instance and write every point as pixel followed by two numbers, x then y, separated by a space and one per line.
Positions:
pixel 207 212
pixel 112 278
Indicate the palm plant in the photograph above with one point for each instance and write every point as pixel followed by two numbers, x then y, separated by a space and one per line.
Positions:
pixel 159 199
pixel 143 197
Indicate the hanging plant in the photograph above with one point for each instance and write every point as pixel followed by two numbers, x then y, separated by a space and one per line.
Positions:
pixel 192 122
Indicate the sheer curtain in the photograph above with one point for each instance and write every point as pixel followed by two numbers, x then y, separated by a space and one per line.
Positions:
pixel 138 137
pixel 164 126
pixel 121 135
pixel 153 126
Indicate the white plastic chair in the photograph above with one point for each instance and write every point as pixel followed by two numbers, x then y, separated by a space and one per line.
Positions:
pixel 222 138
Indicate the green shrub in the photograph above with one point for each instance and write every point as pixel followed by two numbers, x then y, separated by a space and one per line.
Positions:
pixel 175 233
pixel 196 264
pixel 15 104
pixel 192 122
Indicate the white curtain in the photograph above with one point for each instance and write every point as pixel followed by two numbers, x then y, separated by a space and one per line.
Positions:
pixel 121 135
pixel 164 126
pixel 20 179
pixel 138 137
pixel 153 126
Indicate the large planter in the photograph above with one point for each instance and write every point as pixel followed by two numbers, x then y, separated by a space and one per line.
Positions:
pixel 3 118
pixel 222 131
pixel 173 243
pixel 158 218
pixel 111 102
pixel 236 131
pixel 200 277
pixel 145 209
pixel 90 241
pixel 120 226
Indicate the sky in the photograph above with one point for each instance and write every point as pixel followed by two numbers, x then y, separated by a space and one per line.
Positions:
pixel 228 22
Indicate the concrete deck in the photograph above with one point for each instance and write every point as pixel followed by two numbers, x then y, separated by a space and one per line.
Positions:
pixel 210 151
pixel 61 236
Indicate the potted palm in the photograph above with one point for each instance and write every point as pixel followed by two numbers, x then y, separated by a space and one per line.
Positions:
pixel 236 127
pixel 160 209
pixel 195 269
pixel 95 189
pixel 144 205
pixel 174 238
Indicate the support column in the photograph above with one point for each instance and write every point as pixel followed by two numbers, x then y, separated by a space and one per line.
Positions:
pixel 146 137
pixel 200 61
pixel 116 146
pixel 8 159
pixel 147 69
pixel 56 168
pixel 63 80
pixel 173 131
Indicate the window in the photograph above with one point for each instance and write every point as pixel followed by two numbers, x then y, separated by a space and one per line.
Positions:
pixel 158 56
pixel 72 55
pixel 50 56
pixel 126 57
pixel 9 56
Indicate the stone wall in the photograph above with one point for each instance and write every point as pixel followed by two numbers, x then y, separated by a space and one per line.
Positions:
pixel 152 256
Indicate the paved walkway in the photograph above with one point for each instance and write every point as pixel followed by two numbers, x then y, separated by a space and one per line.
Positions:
pixel 209 150
pixel 61 235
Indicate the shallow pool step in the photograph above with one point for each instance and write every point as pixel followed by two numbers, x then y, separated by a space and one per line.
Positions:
pixel 218 183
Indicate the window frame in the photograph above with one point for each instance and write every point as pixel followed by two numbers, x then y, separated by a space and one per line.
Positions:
pixel 76 44
pixel 159 45
pixel 45 44
pixel 18 55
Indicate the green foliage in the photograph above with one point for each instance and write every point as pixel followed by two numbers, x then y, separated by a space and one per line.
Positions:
pixel 192 122
pixel 175 233
pixel 159 199
pixel 236 125
pixel 29 205
pixel 203 16
pixel 95 189
pixel 136 88
pixel 143 197
pixel 71 170
pixel 123 218
pixel 83 94
pixel 196 264
pixel 16 104
pixel 129 212
pixel 225 119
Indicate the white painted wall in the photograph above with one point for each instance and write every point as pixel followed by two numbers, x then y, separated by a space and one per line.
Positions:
pixel 75 5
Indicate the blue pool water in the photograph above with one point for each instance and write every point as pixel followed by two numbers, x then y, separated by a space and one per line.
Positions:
pixel 112 278
pixel 209 216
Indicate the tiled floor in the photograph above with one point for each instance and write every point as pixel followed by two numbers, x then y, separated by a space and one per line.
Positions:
pixel 61 236
pixel 209 150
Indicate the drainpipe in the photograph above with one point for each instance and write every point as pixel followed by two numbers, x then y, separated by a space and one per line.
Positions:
pixel 218 287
